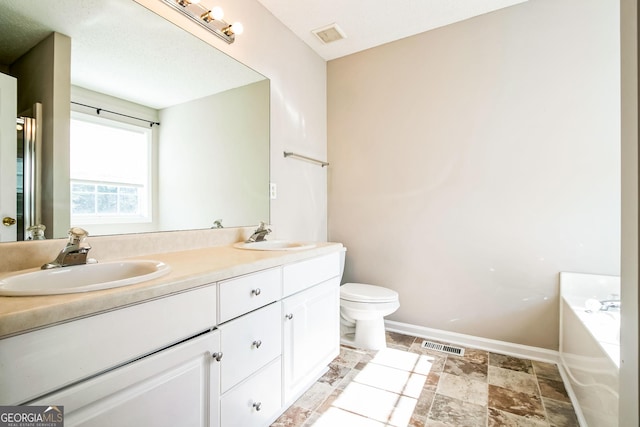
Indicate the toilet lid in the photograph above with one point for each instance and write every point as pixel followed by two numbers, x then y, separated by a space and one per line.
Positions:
pixel 359 292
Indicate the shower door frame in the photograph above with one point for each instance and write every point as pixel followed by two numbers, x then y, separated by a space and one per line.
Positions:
pixel 32 172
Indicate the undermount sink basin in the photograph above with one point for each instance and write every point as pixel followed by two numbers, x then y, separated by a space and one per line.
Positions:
pixel 81 278
pixel 274 245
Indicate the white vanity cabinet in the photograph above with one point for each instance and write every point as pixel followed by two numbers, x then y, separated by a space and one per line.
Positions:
pixel 251 343
pixel 272 354
pixel 232 353
pixel 311 328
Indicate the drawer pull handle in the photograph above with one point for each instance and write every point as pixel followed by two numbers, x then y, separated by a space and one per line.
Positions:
pixel 257 405
pixel 256 291
pixel 217 356
pixel 257 343
pixel 289 316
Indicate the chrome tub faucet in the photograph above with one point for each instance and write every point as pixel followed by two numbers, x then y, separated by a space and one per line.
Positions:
pixel 611 304
pixel 74 253
pixel 607 304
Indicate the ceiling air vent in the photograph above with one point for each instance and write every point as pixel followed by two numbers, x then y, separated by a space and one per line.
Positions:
pixel 329 34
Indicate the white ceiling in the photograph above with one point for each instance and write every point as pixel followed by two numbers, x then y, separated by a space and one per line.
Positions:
pixel 371 23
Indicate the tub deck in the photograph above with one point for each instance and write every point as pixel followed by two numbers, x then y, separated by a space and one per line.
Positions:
pixel 590 346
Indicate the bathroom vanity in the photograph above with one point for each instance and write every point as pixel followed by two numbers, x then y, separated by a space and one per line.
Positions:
pixel 228 338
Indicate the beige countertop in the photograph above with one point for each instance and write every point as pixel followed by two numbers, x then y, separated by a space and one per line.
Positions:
pixel 189 269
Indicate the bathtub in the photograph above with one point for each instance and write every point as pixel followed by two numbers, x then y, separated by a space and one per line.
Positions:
pixel 590 346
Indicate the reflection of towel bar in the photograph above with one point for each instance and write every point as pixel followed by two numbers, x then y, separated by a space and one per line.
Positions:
pixel 308 159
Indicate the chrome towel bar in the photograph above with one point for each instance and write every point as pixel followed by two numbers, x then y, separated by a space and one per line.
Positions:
pixel 305 158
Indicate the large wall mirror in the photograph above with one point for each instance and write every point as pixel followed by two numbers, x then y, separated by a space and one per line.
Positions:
pixel 129 124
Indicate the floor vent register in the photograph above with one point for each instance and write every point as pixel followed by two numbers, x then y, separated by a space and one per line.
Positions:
pixel 458 351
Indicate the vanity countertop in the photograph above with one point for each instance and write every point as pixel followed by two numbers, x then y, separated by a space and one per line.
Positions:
pixel 189 269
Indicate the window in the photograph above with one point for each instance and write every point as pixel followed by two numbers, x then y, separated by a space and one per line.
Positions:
pixel 109 170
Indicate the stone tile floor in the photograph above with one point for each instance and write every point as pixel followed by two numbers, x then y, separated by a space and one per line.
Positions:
pixel 406 385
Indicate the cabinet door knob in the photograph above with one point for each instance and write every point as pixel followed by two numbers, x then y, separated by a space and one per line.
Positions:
pixel 8 221
pixel 217 356
pixel 289 316
pixel 256 291
pixel 257 343
pixel 257 405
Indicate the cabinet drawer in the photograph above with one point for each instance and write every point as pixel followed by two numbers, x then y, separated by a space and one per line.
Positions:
pixel 304 274
pixel 246 293
pixel 255 402
pixel 250 342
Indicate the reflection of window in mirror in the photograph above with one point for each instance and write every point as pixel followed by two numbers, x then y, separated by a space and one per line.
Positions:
pixel 110 171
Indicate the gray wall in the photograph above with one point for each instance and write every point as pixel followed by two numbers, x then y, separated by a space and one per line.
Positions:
pixel 472 163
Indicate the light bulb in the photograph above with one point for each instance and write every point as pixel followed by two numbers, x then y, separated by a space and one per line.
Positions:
pixel 237 28
pixel 217 13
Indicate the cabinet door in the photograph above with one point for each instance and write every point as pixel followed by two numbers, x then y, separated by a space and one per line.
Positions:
pixel 178 386
pixel 311 335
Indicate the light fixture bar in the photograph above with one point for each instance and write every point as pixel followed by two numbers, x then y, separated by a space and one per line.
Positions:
pixel 203 17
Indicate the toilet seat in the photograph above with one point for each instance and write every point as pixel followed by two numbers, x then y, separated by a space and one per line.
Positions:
pixel 359 292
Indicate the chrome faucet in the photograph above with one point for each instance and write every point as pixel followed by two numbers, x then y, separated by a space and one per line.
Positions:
pixel 607 304
pixel 260 233
pixel 613 303
pixel 74 253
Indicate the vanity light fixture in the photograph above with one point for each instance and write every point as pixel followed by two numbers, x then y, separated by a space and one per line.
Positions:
pixel 211 19
pixel 215 14
pixel 185 3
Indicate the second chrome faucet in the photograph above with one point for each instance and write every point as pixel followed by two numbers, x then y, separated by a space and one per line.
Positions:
pixel 74 253
pixel 259 234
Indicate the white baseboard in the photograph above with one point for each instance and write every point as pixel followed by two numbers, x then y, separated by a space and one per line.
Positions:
pixel 495 346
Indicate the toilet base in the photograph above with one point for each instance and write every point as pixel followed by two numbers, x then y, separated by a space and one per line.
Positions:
pixel 369 335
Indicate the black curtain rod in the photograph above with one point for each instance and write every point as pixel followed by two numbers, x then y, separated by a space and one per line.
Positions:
pixel 99 110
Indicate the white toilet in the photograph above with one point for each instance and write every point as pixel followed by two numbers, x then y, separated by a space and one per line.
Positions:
pixel 362 311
